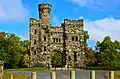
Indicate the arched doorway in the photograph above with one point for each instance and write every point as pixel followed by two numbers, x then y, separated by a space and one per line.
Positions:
pixel 57 58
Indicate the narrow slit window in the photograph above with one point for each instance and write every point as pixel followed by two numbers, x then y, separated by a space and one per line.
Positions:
pixel 72 38
pixel 35 31
pixel 76 38
pixel 44 38
pixel 53 39
pixel 59 40
pixel 35 52
pixel 75 56
pixel 34 42
pixel 56 39
pixel 44 48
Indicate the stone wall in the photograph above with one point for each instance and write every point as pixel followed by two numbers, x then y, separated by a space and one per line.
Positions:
pixel 73 29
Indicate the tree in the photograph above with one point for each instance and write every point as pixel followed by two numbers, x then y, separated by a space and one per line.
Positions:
pixel 90 57
pixel 86 36
pixel 107 55
pixel 107 43
pixel 117 45
pixel 26 51
pixel 11 50
pixel 110 60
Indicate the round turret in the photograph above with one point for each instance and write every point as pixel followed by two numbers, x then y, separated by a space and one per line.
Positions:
pixel 44 13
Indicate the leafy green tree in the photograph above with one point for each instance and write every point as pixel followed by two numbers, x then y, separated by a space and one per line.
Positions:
pixel 117 45
pixel 86 36
pixel 107 55
pixel 11 50
pixel 110 60
pixel 90 57
pixel 107 43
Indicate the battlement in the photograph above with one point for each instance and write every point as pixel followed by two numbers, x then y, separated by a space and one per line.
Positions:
pixel 32 21
pixel 73 22
pixel 44 6
pixel 56 29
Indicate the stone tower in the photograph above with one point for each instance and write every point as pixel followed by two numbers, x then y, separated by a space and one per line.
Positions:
pixel 45 39
pixel 39 35
pixel 44 13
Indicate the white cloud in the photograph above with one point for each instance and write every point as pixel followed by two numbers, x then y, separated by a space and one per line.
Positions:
pixel 81 17
pixel 103 5
pixel 12 10
pixel 98 29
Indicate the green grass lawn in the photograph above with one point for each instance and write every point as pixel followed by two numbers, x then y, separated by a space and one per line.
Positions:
pixel 117 74
pixel 27 69
pixel 7 75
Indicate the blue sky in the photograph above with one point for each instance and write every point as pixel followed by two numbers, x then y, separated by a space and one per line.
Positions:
pixel 101 17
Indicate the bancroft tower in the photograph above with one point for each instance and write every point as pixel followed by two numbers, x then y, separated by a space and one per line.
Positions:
pixel 66 39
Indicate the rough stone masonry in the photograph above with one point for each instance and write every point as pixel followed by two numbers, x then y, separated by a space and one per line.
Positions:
pixel 66 39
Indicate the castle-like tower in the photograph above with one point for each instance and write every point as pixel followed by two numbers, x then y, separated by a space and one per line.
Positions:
pixel 46 39
pixel 44 13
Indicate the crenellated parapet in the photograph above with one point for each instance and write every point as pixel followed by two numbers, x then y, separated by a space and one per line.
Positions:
pixel 69 22
pixel 56 29
pixel 34 21
pixel 44 6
